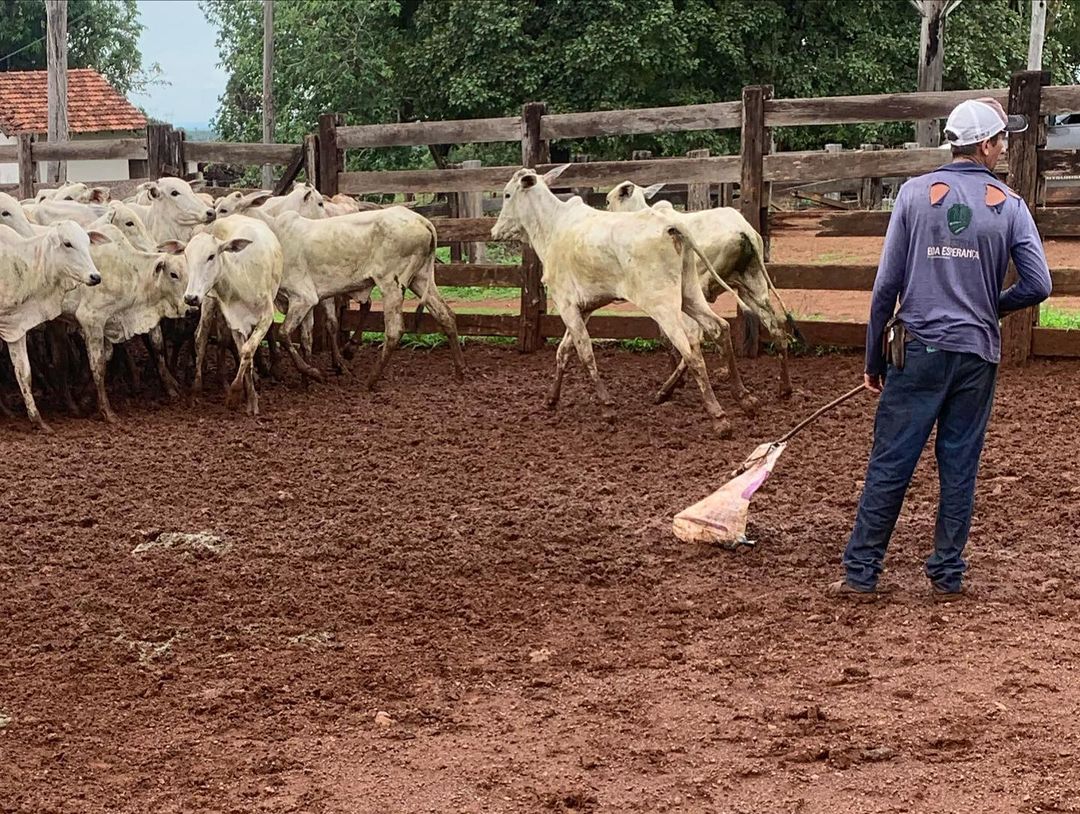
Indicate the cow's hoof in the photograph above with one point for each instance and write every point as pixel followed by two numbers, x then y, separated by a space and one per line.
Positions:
pixel 786 392
pixel 662 396
pixel 110 418
pixel 749 404
pixel 43 428
pixel 316 374
pixel 459 376
pixel 722 427
pixel 232 398
pixel 609 414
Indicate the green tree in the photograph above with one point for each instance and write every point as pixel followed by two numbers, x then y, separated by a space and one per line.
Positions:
pixel 102 34
pixel 389 60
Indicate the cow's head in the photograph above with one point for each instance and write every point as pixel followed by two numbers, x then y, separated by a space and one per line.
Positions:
pixel 520 195
pixel 182 206
pixel 67 251
pixel 629 197
pixel 124 218
pixel 203 255
pixel 13 216
pixel 306 200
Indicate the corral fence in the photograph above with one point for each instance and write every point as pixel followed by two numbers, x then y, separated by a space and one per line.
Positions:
pixel 697 181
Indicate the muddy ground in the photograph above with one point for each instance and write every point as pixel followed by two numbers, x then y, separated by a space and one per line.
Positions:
pixel 502 583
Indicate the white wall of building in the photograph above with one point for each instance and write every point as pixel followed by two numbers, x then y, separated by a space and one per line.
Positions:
pixel 113 169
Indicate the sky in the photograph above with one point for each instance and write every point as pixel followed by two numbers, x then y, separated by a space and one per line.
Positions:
pixel 178 37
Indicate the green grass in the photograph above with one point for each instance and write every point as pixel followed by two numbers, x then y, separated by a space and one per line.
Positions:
pixel 455 292
pixel 1051 317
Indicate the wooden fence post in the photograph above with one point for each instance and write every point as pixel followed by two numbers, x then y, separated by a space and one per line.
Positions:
pixel 871 192
pixel 471 205
pixel 311 159
pixel 533 301
pixel 752 198
pixel 1025 95
pixel 27 166
pixel 331 159
pixel 157 150
pixel 698 195
pixel 833 147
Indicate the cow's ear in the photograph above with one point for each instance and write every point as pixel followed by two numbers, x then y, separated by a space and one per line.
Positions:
pixel 97 238
pixel 160 266
pixel 153 190
pixel 255 199
pixel 99 195
pixel 237 244
pixel 528 181
pixel 172 247
pixel 652 190
pixel 307 195
pixel 551 175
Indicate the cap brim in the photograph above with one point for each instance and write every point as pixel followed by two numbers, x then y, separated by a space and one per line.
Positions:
pixel 1016 124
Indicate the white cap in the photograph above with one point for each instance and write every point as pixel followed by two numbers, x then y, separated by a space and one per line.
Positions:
pixel 976 120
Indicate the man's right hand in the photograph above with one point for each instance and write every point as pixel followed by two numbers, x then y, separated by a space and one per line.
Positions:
pixel 873 383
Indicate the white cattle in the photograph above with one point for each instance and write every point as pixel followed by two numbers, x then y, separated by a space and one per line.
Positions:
pixel 52 211
pixel 35 275
pixel 592 258
pixel 392 248
pixel 124 218
pixel 174 210
pixel 238 261
pixel 303 198
pixel 138 289
pixel 14 217
pixel 78 191
pixel 737 253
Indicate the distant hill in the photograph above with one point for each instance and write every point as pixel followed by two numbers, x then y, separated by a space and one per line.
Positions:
pixel 198 133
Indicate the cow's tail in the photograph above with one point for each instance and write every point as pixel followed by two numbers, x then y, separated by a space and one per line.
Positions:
pixel 678 234
pixel 757 248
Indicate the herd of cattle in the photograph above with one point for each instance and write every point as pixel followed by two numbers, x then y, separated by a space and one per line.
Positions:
pixel 172 263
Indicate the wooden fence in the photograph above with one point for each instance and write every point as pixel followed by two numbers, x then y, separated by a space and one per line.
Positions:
pixel 752 172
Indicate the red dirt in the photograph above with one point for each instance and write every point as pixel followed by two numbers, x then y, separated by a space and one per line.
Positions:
pixel 502 581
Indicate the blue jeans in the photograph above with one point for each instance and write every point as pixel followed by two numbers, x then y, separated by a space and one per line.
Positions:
pixel 955 391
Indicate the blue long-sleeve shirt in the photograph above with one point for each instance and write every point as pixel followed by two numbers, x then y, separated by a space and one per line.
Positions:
pixel 946 252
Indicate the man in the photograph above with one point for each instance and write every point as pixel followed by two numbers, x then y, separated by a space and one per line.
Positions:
pixel 946 251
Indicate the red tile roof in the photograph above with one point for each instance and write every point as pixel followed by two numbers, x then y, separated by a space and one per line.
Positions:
pixel 93 104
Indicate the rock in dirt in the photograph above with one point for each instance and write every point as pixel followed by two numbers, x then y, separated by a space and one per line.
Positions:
pixel 383 720
pixel 5 718
pixel 540 656
pixel 193 541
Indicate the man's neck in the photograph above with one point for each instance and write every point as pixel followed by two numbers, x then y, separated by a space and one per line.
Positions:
pixel 971 159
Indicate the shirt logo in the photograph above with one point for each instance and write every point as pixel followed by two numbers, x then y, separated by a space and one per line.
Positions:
pixel 959 217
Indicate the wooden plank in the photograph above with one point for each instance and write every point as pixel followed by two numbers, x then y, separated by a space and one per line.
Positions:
pixel 226 152
pixel 1066 282
pixel 27 166
pixel 311 159
pixel 606 327
pixel 854 224
pixel 885 107
pixel 331 156
pixel 1058 221
pixel 1025 91
pixel 818 166
pixel 457 230
pixel 1059 162
pixel 533 296
pixel 404 134
pixel 719 169
pixel 1055 342
pixel 712 116
pixel 697 195
pixel 467 324
pixel 1063 194
pixel 832 203
pixel 90 150
pixel 157 149
pixel 9 153
pixel 487 275
pixel 824 277
pixel 1060 99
